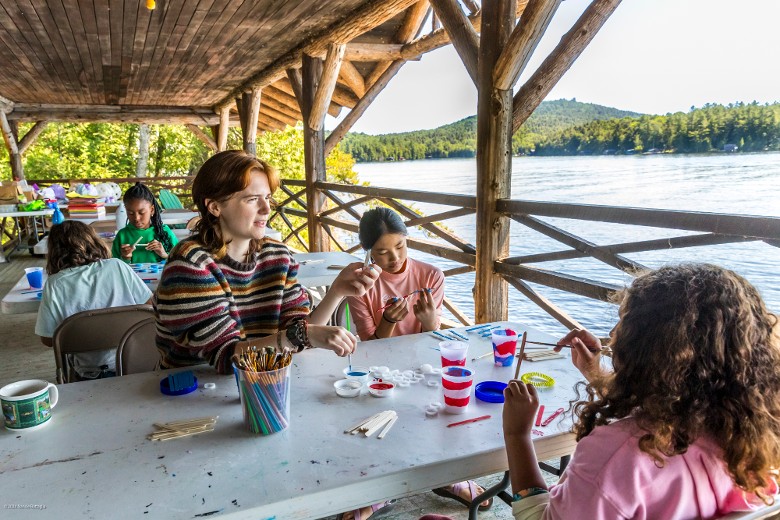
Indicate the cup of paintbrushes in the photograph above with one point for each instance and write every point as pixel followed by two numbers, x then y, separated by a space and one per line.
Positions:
pixel 265 399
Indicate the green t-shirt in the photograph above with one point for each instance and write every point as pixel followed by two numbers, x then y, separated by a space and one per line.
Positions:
pixel 129 234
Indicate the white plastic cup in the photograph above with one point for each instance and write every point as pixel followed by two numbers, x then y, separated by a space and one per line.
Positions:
pixel 456 383
pixel 453 353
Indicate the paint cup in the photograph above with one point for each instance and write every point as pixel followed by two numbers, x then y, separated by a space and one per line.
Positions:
pixel 28 404
pixel 453 353
pixel 456 383
pixel 381 388
pixel 504 347
pixel 265 399
pixel 34 277
pixel 359 374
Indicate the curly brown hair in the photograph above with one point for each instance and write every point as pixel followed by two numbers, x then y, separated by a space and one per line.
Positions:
pixel 221 177
pixel 73 244
pixel 695 353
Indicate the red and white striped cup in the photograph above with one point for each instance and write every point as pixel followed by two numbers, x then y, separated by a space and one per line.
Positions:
pixel 456 382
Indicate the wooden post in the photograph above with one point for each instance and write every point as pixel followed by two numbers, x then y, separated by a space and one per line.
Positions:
pixel 9 131
pixel 494 163
pixel 314 153
pixel 249 112
pixel 143 150
pixel 222 132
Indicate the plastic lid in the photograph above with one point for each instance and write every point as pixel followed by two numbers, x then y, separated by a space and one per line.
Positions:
pixel 164 388
pixel 490 391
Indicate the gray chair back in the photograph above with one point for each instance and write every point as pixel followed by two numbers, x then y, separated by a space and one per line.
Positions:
pixel 93 330
pixel 137 351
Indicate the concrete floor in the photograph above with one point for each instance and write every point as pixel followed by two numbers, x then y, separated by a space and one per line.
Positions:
pixel 22 356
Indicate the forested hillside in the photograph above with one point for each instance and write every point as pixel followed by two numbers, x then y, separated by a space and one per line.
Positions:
pixel 737 127
pixel 459 139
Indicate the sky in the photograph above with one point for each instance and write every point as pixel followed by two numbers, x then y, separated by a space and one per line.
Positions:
pixel 651 56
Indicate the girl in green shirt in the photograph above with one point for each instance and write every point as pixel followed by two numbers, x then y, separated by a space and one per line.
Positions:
pixel 145 239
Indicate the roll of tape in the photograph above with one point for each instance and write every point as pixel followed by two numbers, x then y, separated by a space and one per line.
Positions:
pixel 538 379
pixel 209 386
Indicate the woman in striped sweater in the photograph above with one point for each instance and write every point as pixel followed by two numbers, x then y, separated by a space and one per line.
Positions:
pixel 229 286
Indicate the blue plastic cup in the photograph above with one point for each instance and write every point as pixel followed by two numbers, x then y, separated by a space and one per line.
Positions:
pixel 34 277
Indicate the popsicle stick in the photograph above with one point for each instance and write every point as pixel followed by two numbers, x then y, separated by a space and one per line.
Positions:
pixel 387 428
pixel 380 424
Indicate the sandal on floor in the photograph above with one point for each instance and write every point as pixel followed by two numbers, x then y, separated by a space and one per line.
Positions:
pixel 377 510
pixel 455 494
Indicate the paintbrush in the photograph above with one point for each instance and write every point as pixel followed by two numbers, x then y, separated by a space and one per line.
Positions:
pixel 349 329
pixel 605 350
pixel 520 358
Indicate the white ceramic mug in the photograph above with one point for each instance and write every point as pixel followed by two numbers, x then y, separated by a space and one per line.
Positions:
pixel 28 404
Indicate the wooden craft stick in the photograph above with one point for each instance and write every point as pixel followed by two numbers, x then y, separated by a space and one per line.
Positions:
pixel 520 358
pixel 467 421
pixel 136 242
pixel 387 428
pixel 379 424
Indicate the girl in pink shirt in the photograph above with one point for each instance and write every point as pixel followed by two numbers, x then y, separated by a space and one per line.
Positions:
pixel 385 310
pixel 686 426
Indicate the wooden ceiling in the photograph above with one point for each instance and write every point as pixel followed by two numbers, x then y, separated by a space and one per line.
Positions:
pixel 183 53
pixel 96 59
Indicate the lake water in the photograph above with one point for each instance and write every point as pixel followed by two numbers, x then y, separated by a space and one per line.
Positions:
pixel 739 184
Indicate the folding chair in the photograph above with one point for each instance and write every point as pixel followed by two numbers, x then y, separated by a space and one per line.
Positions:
pixel 169 200
pixel 137 351
pixel 93 330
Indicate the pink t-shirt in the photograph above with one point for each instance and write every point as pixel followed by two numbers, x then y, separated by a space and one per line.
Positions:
pixel 609 477
pixel 367 310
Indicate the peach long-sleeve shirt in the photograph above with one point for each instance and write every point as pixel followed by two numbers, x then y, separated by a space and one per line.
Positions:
pixel 367 310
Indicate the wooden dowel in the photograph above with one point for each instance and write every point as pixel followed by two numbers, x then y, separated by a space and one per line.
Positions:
pixel 520 358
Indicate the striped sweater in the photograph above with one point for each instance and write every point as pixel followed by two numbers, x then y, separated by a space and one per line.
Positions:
pixel 205 306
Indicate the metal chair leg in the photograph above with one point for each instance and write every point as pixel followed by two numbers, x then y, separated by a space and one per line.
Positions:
pixel 499 490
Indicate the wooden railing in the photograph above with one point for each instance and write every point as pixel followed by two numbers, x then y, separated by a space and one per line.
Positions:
pixel 343 214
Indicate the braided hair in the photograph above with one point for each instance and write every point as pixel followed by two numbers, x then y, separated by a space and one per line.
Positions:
pixel 140 191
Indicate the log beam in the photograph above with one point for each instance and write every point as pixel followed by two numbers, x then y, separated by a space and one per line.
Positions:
pixel 523 41
pixel 368 16
pixel 279 105
pixel 352 78
pixel 344 126
pixel 31 135
pixel 439 38
pixel 29 112
pixel 461 32
pixel 287 93
pixel 203 137
pixel 278 115
pixel 326 85
pixel 533 92
pixel 494 164
pixel 314 154
pixel 410 27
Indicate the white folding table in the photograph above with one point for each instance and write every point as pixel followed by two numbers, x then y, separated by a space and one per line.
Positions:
pixel 93 457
